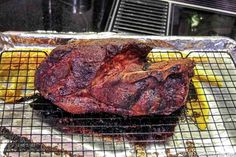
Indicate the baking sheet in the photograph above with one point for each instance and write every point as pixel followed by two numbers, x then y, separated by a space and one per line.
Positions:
pixel 218 139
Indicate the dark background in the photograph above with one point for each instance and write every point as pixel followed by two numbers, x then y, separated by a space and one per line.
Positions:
pixel 95 15
pixel 58 15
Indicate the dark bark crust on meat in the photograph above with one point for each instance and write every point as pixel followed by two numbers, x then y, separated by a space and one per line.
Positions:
pixel 112 76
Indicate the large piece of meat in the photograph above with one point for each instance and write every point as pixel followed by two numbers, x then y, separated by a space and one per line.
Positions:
pixel 113 76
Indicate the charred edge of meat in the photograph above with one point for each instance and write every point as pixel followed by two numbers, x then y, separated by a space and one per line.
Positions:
pixel 140 128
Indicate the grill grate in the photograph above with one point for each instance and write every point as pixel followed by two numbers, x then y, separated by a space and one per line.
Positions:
pixel 141 17
pixel 36 126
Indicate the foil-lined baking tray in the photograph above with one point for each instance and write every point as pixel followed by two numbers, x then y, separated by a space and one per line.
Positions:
pixel 26 133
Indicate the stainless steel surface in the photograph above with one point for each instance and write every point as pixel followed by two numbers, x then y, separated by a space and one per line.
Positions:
pixel 218 139
pixel 169 18
pixel 173 17
pixel 135 17
pixel 202 7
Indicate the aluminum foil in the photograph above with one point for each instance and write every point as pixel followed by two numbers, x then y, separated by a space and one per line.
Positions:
pixel 219 139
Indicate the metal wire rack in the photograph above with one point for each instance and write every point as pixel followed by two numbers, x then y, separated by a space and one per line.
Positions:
pixel 32 126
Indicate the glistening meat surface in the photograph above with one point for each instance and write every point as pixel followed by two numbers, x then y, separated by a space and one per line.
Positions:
pixel 113 76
